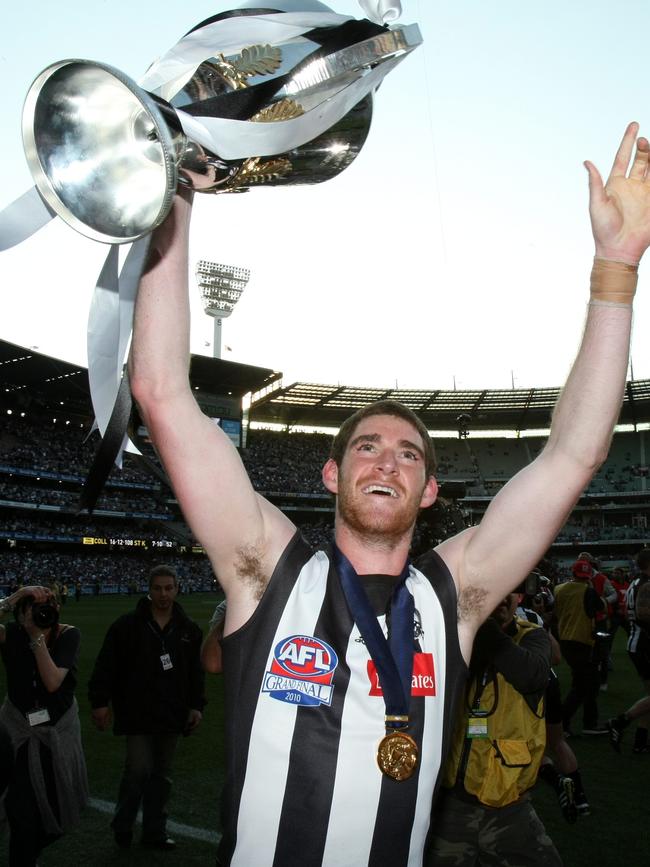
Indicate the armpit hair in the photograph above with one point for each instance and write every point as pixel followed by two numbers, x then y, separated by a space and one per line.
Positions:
pixel 249 570
pixel 471 602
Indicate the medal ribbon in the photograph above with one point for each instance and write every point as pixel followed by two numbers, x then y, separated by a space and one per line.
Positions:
pixel 393 658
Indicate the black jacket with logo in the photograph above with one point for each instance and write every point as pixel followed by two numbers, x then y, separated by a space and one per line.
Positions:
pixel 147 696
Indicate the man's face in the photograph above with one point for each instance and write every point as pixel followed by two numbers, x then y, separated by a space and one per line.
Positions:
pixel 381 483
pixel 162 591
pixel 505 610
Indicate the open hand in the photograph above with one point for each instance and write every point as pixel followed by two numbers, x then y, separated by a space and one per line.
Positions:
pixel 620 209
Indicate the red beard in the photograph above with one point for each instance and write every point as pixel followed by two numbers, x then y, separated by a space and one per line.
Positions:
pixel 368 517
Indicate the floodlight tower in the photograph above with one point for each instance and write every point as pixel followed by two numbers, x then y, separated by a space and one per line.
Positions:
pixel 221 288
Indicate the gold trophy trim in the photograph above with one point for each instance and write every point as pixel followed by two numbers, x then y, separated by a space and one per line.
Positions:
pixel 257 171
pixel 258 60
pixel 254 60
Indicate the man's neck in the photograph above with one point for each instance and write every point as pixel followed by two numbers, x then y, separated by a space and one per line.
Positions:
pixel 371 556
pixel 162 618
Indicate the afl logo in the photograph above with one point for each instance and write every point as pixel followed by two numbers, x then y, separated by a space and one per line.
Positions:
pixel 304 656
pixel 302 671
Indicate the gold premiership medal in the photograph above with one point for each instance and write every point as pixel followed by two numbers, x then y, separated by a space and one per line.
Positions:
pixel 397 755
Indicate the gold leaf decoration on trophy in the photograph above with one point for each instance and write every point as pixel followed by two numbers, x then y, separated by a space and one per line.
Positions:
pixel 258 60
pixel 229 73
pixel 284 109
pixel 254 60
pixel 257 171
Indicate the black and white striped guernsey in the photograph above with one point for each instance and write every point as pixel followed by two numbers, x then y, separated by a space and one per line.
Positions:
pixel 304 716
pixel 638 638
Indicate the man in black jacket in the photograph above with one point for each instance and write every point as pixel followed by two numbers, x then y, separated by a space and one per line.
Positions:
pixel 149 670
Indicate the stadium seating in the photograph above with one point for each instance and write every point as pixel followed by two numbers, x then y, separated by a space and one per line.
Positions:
pixel 43 465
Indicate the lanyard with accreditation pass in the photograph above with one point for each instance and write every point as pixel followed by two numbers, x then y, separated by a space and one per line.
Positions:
pixel 165 658
pixel 397 753
pixel 477 722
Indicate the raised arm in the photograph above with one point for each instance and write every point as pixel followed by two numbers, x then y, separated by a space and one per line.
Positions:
pixel 242 533
pixel 36 591
pixel 525 516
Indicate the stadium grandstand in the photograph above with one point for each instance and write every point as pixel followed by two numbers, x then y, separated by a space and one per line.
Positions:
pixel 482 438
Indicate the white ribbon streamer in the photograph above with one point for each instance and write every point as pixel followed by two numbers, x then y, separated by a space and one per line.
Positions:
pixel 238 139
pixel 233 139
pixel 103 339
pixel 109 329
pixel 166 76
pixel 24 216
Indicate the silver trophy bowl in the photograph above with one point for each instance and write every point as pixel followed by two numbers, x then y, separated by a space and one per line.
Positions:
pixel 107 155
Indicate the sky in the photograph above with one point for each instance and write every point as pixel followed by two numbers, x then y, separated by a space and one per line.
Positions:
pixel 455 250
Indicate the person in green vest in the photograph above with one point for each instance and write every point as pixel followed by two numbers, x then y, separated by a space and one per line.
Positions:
pixel 576 605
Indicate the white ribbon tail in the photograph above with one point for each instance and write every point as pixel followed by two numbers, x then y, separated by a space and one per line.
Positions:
pixel 103 340
pixel 22 218
pixel 109 329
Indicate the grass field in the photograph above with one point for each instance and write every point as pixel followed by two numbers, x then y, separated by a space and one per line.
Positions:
pixel 617 832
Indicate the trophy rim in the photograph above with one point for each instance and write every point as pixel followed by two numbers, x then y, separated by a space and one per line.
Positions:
pixel 41 178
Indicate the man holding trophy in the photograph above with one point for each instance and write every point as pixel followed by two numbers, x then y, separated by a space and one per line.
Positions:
pixel 333 752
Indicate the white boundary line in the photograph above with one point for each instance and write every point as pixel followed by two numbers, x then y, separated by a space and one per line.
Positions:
pixel 174 827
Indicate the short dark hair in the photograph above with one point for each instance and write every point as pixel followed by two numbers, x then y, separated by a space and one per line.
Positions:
pixel 162 569
pixel 383 407
pixel 643 559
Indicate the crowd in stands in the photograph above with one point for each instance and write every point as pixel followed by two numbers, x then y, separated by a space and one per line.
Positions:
pixel 122 501
pixel 279 464
pixel 290 464
pixel 55 447
pixel 100 573
pixel 75 527
pixel 601 531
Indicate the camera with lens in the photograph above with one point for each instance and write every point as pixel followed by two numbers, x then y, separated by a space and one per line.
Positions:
pixel 537 593
pixel 531 585
pixel 44 614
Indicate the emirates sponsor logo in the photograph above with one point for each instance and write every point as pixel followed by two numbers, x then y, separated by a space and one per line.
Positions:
pixel 423 680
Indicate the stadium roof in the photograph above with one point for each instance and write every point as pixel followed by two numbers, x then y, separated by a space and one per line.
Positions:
pixel 509 409
pixel 28 377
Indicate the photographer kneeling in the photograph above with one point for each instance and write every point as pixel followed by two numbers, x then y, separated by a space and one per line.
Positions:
pixel 48 785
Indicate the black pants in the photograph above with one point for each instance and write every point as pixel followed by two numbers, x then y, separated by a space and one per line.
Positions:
pixel 26 835
pixel 146 780
pixel 585 683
